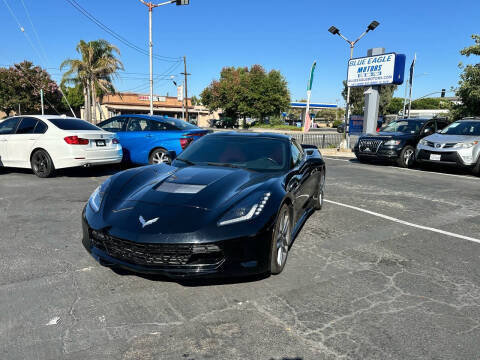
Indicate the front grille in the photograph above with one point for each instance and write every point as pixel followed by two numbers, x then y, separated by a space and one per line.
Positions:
pixel 369 145
pixel 450 145
pixel 430 143
pixel 152 254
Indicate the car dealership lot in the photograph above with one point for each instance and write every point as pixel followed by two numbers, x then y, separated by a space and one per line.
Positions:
pixel 356 285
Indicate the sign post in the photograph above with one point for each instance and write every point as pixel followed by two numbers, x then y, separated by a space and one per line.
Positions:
pixel 372 100
pixel 308 122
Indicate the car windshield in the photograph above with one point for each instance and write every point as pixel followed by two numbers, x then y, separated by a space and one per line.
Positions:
pixel 179 124
pixel 471 128
pixel 73 124
pixel 404 126
pixel 257 154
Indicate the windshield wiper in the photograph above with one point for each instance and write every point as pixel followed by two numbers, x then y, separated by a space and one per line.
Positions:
pixel 225 165
pixel 185 161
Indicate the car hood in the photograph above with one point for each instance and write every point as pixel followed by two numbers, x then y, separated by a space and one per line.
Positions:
pixel 197 194
pixel 444 138
pixel 388 135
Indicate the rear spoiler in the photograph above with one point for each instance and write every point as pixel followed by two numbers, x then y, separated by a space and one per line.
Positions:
pixel 305 147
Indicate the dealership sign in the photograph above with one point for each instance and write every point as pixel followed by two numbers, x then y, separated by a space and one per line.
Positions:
pixel 376 70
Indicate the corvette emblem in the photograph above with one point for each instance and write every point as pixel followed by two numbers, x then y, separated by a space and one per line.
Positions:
pixel 146 223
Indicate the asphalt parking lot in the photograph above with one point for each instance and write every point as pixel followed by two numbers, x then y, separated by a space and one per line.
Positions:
pixel 401 281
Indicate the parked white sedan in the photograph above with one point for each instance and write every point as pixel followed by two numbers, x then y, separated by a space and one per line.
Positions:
pixel 45 143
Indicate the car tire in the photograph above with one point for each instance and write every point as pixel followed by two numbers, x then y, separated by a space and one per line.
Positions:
pixel 476 168
pixel 319 198
pixel 159 156
pixel 42 164
pixel 281 240
pixel 407 157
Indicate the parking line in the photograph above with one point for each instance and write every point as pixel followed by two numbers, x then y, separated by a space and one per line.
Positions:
pixel 406 222
pixel 416 170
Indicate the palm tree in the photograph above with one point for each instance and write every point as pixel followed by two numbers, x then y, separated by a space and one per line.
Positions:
pixel 95 71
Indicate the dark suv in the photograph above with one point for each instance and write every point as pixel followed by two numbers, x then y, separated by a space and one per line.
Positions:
pixel 396 141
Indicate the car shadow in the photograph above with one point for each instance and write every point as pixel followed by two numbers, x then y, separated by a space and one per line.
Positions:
pixel 437 168
pixel 193 282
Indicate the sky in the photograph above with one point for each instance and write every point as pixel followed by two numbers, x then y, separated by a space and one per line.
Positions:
pixel 286 35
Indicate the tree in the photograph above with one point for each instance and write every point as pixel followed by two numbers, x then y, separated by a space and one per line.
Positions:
pixel 20 85
pixel 74 96
pixel 395 106
pixel 242 92
pixel 469 89
pixel 357 98
pixel 94 72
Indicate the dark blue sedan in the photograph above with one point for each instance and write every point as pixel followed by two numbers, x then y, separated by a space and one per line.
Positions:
pixel 151 139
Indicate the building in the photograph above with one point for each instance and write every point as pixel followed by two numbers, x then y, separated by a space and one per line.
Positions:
pixel 132 103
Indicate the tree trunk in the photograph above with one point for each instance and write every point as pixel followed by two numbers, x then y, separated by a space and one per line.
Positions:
pixel 87 102
pixel 94 103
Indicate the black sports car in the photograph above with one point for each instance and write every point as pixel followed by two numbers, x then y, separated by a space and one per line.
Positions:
pixel 230 204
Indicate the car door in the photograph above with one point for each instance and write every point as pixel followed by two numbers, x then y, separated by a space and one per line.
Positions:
pixel 137 140
pixel 7 128
pixel 297 183
pixel 20 144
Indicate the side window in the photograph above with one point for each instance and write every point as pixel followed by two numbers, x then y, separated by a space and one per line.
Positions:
pixel 8 126
pixel 40 128
pixel 429 128
pixel 441 125
pixel 115 124
pixel 159 126
pixel 26 126
pixel 137 124
pixel 297 154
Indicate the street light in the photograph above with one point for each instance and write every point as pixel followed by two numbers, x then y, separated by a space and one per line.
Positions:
pixel 335 31
pixel 183 107
pixel 151 6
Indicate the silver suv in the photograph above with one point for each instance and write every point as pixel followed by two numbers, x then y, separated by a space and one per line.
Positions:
pixel 458 143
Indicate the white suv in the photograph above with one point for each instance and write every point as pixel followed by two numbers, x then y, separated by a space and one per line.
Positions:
pixel 458 143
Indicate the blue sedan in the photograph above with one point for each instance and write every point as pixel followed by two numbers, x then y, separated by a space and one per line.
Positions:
pixel 151 139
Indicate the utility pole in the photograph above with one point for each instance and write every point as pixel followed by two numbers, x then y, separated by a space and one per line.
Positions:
pixel 186 87
pixel 41 101
pixel 151 6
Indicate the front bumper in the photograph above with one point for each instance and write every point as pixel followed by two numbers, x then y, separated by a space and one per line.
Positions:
pixel 423 155
pixel 243 256
pixel 387 153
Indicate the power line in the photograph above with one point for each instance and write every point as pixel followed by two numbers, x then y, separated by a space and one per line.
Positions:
pixel 117 36
pixel 40 45
pixel 22 29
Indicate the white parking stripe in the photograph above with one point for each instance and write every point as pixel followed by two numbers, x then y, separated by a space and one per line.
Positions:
pixel 406 222
pixel 416 170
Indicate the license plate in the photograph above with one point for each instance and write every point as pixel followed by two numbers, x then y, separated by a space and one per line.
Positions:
pixel 100 142
pixel 435 157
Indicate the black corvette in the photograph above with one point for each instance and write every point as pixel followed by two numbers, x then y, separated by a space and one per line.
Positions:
pixel 230 204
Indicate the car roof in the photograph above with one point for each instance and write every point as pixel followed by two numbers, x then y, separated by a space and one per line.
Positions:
pixel 469 119
pixel 252 134
pixel 151 117
pixel 413 119
pixel 44 117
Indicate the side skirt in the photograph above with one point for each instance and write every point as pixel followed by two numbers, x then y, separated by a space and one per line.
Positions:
pixel 301 221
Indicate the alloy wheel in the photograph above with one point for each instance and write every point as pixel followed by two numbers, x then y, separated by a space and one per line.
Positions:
pixel 160 157
pixel 283 237
pixel 408 156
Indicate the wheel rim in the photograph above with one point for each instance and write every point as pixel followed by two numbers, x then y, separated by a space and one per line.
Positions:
pixel 40 163
pixel 283 238
pixel 407 156
pixel 160 158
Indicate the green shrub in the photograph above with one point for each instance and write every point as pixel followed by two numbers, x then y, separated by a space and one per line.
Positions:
pixel 336 123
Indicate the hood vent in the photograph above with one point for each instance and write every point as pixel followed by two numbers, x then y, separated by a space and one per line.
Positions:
pixel 175 188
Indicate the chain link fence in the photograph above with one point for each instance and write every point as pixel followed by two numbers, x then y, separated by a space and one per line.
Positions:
pixel 323 141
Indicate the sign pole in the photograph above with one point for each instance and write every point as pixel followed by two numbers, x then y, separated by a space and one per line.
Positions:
pixel 412 70
pixel 372 100
pixel 307 121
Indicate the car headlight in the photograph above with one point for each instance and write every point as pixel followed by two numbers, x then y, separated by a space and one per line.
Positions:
pixel 96 198
pixel 392 142
pixel 465 145
pixel 247 209
pixel 423 142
